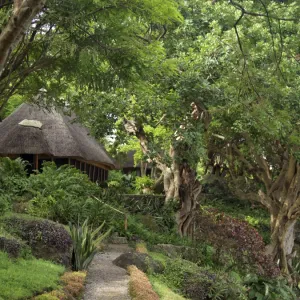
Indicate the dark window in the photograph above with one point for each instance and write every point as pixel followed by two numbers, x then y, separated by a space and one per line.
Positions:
pixel 30 159
pixel 61 161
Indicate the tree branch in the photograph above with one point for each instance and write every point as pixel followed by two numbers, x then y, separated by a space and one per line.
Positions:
pixel 254 14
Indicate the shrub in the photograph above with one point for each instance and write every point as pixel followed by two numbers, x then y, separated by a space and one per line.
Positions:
pixel 13 181
pixel 47 239
pixel 143 182
pixel 13 247
pixel 234 239
pixel 5 203
pixel 199 283
pixel 256 216
pixel 273 289
pixel 85 244
pixel 138 231
pixel 140 287
pixel 73 283
pixel 60 193
pixel 211 285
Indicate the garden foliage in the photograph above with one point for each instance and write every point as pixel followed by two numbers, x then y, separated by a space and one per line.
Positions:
pixel 85 243
pixel 13 181
pixel 46 239
pixel 237 244
pixel 60 193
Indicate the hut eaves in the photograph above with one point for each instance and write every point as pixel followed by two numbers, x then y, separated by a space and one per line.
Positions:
pixel 59 136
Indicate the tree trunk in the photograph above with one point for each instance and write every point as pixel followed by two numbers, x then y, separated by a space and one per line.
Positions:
pixel 23 14
pixel 282 241
pixel 169 184
pixel 189 197
pixel 180 181
pixel 281 197
pixel 172 182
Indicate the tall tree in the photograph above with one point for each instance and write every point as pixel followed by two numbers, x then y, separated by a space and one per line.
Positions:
pixel 258 127
pixel 84 43
pixel 167 111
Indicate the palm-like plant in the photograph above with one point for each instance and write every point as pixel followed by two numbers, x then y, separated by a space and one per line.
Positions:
pixel 85 243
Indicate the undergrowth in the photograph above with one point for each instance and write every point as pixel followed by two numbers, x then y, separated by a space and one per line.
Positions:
pixel 257 216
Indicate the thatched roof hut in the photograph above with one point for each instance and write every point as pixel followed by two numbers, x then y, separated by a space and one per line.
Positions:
pixel 38 134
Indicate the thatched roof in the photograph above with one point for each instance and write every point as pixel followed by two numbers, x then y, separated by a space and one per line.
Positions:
pixel 59 136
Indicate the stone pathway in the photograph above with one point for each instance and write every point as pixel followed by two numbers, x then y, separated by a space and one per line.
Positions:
pixel 105 281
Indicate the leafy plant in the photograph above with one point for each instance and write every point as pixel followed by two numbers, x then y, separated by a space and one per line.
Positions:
pixel 123 183
pixel 60 193
pixel 13 181
pixel 4 204
pixel 143 182
pixel 85 243
pixel 268 289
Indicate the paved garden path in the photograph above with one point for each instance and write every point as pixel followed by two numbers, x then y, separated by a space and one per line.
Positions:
pixel 105 281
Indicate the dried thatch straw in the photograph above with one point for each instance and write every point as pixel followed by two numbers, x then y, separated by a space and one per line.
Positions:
pixel 59 136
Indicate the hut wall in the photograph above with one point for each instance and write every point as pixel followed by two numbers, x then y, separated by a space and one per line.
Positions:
pixel 95 173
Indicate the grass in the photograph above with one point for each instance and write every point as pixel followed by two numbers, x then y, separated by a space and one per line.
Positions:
pixel 141 248
pixel 22 278
pixel 163 291
pixel 159 257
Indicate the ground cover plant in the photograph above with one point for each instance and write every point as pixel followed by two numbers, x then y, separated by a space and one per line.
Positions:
pixel 192 281
pixel 164 292
pixel 22 278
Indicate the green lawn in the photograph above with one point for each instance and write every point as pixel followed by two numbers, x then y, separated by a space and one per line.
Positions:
pixel 24 278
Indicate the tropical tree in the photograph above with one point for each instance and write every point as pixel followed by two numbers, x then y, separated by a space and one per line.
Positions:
pixel 257 130
pixel 166 111
pixel 86 45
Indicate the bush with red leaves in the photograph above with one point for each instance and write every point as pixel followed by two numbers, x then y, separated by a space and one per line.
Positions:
pixel 236 238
